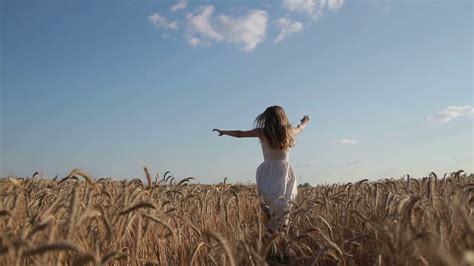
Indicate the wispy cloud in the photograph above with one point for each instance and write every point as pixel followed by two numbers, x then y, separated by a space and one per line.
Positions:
pixel 355 162
pixel 451 112
pixel 345 141
pixel 161 22
pixel 193 41
pixel 314 8
pixel 201 23
pixel 287 27
pixel 309 6
pixel 204 26
pixel 178 6
pixel 247 30
pixel 328 164
pixel 335 4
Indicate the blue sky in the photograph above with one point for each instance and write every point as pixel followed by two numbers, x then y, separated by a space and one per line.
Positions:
pixel 110 86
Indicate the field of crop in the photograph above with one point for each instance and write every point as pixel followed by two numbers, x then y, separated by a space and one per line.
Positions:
pixel 78 220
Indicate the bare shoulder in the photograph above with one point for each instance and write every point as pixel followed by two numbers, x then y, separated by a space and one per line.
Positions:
pixel 259 132
pixel 256 132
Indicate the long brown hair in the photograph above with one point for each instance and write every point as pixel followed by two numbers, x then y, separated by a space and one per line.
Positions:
pixel 276 128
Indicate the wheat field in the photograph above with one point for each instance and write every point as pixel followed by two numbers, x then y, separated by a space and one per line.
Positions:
pixel 78 220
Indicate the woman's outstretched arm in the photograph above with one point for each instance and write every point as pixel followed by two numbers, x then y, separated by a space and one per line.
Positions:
pixel 302 125
pixel 254 133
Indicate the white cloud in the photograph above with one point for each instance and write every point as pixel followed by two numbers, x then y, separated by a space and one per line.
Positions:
pixel 314 8
pixel 287 27
pixel 301 5
pixel 178 6
pixel 203 27
pixel 356 161
pixel 161 22
pixel 451 112
pixel 248 30
pixel 335 4
pixel 194 41
pixel 201 23
pixel 345 141
pixel 328 164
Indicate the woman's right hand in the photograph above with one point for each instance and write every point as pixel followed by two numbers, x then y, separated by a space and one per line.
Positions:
pixel 305 119
pixel 218 131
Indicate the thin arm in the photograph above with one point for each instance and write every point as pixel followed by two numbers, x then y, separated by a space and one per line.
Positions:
pixel 297 130
pixel 254 133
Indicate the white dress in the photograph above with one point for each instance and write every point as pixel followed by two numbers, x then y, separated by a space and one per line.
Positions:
pixel 276 182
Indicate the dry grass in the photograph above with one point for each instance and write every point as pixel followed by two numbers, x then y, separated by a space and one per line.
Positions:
pixel 85 221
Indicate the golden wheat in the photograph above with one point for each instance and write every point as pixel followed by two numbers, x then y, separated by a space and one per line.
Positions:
pixel 409 221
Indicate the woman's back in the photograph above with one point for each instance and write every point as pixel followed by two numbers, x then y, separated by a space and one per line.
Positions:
pixel 270 153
